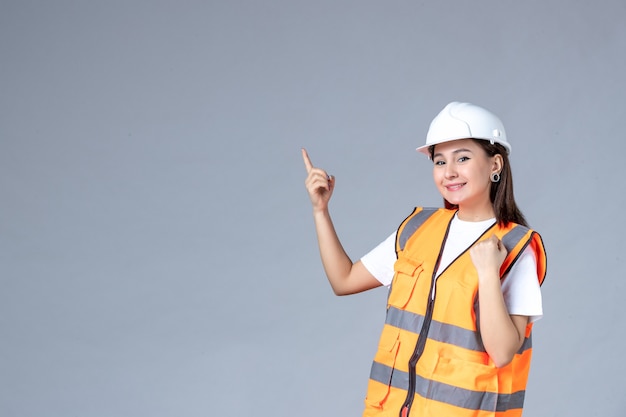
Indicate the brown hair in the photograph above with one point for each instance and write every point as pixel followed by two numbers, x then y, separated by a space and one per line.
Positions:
pixel 501 193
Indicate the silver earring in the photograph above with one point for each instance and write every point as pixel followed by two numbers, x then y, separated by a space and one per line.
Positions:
pixel 495 177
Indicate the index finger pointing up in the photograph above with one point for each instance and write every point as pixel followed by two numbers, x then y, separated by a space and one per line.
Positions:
pixel 307 161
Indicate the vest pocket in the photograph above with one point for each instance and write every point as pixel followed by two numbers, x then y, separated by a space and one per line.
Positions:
pixel 464 384
pixel 379 385
pixel 407 272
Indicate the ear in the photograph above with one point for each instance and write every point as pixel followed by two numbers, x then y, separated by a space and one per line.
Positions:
pixel 498 163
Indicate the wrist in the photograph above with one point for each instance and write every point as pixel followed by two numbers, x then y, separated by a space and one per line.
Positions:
pixel 320 212
pixel 489 275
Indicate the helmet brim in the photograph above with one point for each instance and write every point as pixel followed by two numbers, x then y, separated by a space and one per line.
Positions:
pixel 424 148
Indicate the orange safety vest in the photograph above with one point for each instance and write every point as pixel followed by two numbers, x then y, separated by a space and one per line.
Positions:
pixel 430 359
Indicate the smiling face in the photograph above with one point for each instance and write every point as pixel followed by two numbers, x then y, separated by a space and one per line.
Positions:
pixel 462 173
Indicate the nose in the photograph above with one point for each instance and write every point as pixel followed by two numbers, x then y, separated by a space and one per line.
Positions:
pixel 450 171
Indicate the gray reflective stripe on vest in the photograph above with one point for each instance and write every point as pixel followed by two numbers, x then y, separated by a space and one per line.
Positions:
pixel 442 332
pixel 413 224
pixel 511 240
pixel 513 237
pixel 445 393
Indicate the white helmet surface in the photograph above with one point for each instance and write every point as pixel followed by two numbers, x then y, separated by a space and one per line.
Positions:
pixel 463 121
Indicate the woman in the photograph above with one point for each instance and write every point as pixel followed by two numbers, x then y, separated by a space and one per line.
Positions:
pixel 464 280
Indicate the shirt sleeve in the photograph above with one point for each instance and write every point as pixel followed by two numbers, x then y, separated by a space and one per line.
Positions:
pixel 521 290
pixel 380 260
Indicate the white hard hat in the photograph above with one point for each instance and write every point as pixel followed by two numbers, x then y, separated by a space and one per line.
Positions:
pixel 463 121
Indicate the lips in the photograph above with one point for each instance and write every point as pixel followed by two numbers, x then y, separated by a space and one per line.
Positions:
pixel 454 187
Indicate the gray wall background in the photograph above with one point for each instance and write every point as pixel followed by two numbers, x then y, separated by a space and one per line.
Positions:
pixel 157 252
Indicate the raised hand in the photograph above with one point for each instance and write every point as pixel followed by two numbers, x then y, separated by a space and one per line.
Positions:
pixel 318 183
pixel 488 255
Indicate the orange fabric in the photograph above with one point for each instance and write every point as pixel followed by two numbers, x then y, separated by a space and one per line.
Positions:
pixel 454 375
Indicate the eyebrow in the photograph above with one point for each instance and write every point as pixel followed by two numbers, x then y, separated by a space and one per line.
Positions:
pixel 454 152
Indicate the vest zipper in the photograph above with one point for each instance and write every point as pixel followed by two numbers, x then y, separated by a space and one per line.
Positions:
pixel 421 341
pixel 419 347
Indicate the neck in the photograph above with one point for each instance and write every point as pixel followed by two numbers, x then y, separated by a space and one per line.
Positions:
pixel 476 214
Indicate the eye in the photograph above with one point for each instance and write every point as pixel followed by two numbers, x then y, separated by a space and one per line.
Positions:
pixel 464 158
pixel 439 162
